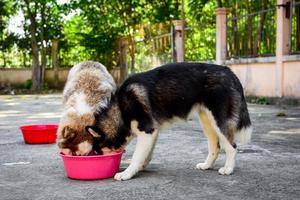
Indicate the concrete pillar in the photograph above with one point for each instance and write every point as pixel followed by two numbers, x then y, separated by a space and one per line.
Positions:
pixel 221 44
pixel 179 26
pixel 283 34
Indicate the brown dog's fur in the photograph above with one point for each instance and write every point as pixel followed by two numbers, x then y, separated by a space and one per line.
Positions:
pixel 88 90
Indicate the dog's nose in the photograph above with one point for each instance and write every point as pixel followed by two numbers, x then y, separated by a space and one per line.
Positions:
pixel 79 153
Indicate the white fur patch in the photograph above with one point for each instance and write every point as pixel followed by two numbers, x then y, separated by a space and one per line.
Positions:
pixel 84 148
pixel 74 71
pixel 106 86
pixel 143 149
pixel 60 140
pixel 109 87
pixel 243 136
pixel 229 150
pixel 70 81
pixel 81 105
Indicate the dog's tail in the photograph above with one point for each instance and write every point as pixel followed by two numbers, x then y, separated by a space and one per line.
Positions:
pixel 244 129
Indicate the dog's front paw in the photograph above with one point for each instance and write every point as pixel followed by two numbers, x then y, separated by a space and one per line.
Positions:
pixel 123 176
pixel 203 166
pixel 226 170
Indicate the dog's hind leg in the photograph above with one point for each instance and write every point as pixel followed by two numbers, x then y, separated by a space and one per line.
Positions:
pixel 144 147
pixel 225 143
pixel 212 140
pixel 230 156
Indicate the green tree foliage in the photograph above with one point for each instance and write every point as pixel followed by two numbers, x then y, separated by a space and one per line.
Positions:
pixel 98 24
pixel 6 39
pixel 42 22
pixel 92 29
pixel 201 34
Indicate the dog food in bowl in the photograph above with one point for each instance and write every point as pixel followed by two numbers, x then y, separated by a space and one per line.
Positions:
pixel 39 134
pixel 92 167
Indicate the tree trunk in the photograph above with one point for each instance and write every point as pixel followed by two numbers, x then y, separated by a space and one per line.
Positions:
pixel 4 59
pixel 297 26
pixel 3 54
pixel 43 45
pixel 54 53
pixel 24 59
pixel 35 55
pixel 133 62
pixel 132 54
pixel 34 47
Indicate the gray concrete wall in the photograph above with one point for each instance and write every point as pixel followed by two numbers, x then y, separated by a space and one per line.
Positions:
pixel 14 76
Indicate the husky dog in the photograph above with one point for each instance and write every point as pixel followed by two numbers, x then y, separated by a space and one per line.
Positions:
pixel 147 101
pixel 88 90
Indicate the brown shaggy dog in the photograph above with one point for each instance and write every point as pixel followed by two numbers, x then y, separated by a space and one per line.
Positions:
pixel 88 90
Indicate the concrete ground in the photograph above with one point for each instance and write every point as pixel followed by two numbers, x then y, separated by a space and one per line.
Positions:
pixel 268 168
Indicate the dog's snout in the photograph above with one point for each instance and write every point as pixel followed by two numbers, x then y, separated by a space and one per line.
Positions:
pixel 66 151
pixel 60 145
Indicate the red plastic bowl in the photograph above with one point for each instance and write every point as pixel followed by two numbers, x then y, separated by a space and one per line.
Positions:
pixel 92 167
pixel 39 134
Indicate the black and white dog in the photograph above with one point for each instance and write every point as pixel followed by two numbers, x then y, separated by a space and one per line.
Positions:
pixel 147 101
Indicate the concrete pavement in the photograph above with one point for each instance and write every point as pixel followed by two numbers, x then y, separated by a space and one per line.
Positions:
pixel 268 168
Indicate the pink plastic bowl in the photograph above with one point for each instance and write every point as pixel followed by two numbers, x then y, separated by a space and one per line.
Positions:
pixel 92 167
pixel 39 134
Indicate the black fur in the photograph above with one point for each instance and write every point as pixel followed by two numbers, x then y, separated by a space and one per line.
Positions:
pixel 113 141
pixel 173 89
pixel 97 141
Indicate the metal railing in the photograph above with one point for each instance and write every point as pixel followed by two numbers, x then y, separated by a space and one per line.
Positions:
pixel 251 35
pixel 154 48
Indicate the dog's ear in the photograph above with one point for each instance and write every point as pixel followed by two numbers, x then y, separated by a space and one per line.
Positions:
pixel 94 131
pixel 68 132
